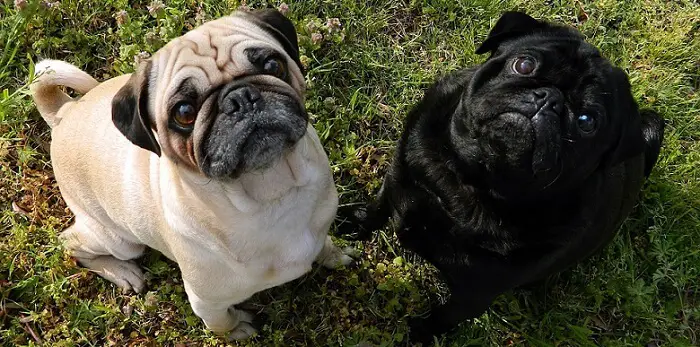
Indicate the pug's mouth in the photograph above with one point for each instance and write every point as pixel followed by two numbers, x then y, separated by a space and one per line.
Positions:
pixel 253 135
pixel 544 127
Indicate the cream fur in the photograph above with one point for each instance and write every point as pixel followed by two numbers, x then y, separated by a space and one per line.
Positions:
pixel 50 74
pixel 230 239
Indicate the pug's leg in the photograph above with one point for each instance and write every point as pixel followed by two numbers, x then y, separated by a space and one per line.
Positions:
pixel 473 287
pixel 462 305
pixel 221 317
pixel 358 222
pixel 105 253
pixel 332 256
pixel 426 229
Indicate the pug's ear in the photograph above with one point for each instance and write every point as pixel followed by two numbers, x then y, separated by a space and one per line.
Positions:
pixel 130 110
pixel 630 141
pixel 510 25
pixel 281 28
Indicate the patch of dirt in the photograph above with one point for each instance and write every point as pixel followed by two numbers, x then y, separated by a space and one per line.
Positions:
pixel 30 188
pixel 403 22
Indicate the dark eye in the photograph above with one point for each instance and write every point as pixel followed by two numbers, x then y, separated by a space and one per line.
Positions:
pixel 184 115
pixel 586 123
pixel 275 67
pixel 524 65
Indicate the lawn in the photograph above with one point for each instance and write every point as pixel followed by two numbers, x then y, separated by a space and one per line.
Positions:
pixel 641 290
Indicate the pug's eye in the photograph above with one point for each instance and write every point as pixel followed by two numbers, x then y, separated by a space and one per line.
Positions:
pixel 184 115
pixel 524 65
pixel 275 67
pixel 587 123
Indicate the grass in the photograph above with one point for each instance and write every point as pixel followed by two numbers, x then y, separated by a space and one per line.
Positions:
pixel 642 290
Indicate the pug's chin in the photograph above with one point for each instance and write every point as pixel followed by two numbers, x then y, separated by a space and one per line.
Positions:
pixel 262 151
pixel 543 146
pixel 512 150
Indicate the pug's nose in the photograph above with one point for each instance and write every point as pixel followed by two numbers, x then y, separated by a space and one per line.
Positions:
pixel 241 99
pixel 549 97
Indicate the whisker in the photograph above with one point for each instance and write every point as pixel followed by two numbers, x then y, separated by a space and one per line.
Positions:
pixel 561 164
pixel 568 140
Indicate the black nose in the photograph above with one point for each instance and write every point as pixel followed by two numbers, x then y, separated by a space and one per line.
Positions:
pixel 549 97
pixel 240 99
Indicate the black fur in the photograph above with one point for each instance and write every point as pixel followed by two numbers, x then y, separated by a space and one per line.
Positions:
pixel 495 184
pixel 510 25
pixel 130 111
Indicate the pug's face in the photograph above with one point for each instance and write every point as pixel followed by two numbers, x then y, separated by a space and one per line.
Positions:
pixel 224 99
pixel 544 111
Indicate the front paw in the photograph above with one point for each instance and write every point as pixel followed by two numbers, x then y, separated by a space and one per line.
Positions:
pixel 124 273
pixel 421 331
pixel 332 256
pixel 244 329
pixel 349 223
pixel 343 257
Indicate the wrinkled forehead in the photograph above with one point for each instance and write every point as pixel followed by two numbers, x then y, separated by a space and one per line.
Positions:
pixel 544 43
pixel 213 54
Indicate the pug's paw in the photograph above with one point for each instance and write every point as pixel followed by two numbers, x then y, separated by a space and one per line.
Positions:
pixel 244 329
pixel 333 256
pixel 350 223
pixel 420 331
pixel 125 274
pixel 339 257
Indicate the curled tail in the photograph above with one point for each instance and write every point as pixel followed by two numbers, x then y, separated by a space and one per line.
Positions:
pixel 46 92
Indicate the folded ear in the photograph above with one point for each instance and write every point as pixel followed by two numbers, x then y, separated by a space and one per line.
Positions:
pixel 653 129
pixel 630 141
pixel 510 25
pixel 130 110
pixel 281 28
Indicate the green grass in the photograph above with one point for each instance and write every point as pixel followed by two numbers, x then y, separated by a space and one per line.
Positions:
pixel 643 289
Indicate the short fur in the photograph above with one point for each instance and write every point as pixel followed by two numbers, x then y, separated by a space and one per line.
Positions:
pixel 242 200
pixel 495 182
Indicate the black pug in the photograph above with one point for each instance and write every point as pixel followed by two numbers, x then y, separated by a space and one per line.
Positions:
pixel 515 169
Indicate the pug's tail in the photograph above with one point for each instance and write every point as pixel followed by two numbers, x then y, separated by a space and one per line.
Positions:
pixel 46 91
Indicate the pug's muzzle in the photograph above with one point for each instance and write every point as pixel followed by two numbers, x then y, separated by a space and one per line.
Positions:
pixel 252 129
pixel 549 105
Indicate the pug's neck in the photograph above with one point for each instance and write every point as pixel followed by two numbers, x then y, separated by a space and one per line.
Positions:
pixel 531 210
pixel 291 171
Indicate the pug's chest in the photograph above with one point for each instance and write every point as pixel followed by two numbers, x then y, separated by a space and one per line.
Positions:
pixel 475 224
pixel 280 234
pixel 287 258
